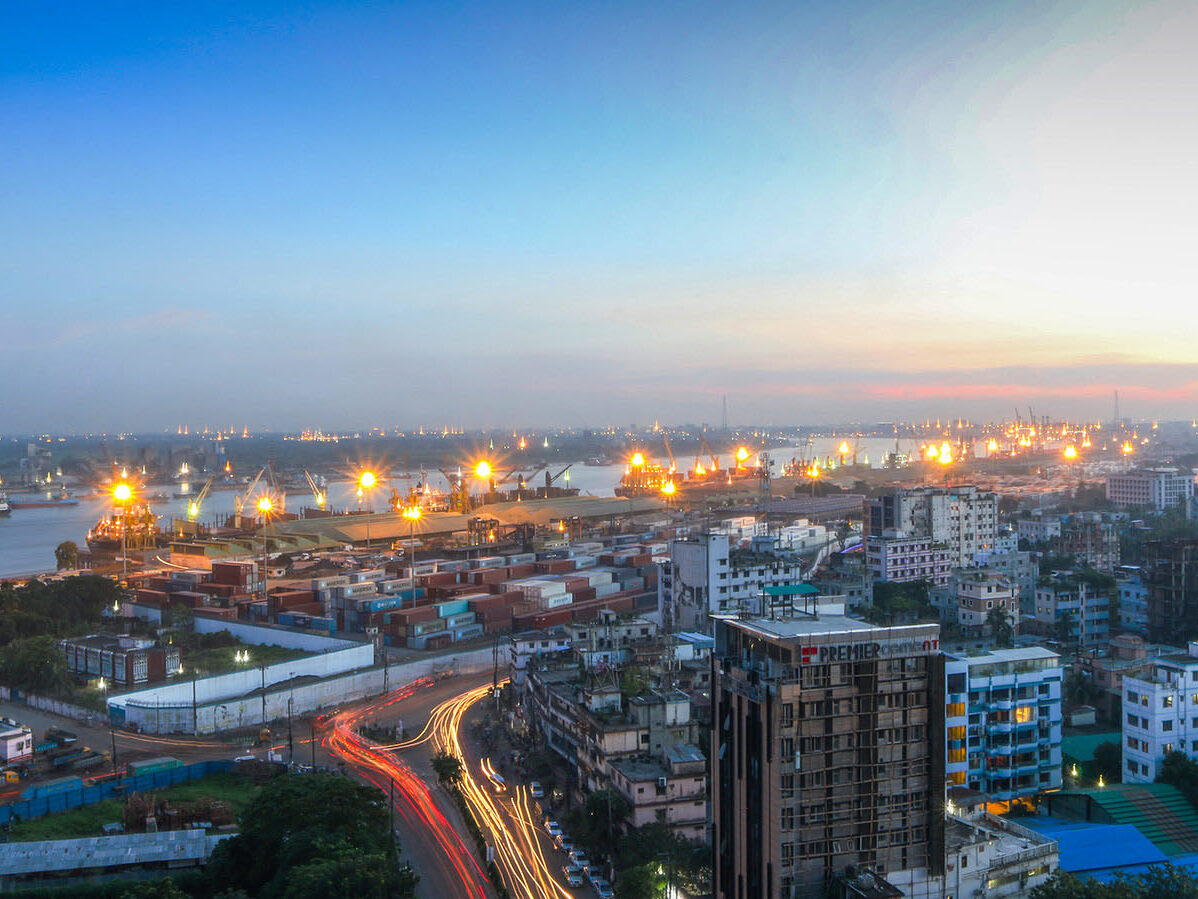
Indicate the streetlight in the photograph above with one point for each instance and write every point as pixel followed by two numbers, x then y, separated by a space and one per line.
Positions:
pixel 122 493
pixel 412 514
pixel 365 482
pixel 264 506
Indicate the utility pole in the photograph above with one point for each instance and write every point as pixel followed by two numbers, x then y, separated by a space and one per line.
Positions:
pixel 290 737
pixel 495 671
pixel 312 734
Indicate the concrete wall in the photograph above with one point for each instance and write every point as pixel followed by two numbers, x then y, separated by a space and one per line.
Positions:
pixel 270 635
pixel 155 714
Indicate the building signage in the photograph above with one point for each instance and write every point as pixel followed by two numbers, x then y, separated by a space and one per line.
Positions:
pixel 864 652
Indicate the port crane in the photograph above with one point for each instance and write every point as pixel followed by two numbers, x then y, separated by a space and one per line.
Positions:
pixel 318 495
pixel 549 479
pixel 193 507
pixel 669 452
pixel 241 499
pixel 715 460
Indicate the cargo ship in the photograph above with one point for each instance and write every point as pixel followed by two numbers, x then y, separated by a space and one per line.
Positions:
pixel 138 526
pixel 42 500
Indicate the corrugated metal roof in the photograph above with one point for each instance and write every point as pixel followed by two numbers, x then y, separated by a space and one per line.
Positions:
pixel 1087 847
pixel 106 852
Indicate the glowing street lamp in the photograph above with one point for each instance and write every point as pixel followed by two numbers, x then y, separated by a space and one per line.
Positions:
pixel 637 460
pixel 412 514
pixel 483 469
pixel 742 456
pixel 264 506
pixel 1071 452
pixel 122 493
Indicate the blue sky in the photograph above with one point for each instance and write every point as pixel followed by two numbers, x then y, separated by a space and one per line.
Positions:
pixel 493 214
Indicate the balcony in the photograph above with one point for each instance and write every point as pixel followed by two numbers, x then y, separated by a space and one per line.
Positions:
pixel 1000 727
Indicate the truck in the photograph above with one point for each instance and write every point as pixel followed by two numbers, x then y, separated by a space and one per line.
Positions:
pixel 153 766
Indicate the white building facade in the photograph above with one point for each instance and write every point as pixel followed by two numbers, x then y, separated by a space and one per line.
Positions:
pixel 1160 714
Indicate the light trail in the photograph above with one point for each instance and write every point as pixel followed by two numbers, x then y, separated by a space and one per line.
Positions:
pixel 413 799
pixel 514 834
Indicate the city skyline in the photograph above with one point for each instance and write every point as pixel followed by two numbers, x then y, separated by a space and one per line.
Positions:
pixel 595 213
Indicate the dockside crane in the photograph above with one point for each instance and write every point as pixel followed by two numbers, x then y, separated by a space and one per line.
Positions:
pixel 318 495
pixel 193 507
pixel 670 452
pixel 241 499
pixel 549 479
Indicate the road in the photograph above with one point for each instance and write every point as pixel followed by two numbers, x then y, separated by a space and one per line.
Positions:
pixel 529 866
pixel 432 833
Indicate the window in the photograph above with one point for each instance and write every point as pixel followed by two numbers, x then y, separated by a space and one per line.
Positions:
pixel 1167 725
pixel 1132 696
pixel 1166 702
pixel 1132 720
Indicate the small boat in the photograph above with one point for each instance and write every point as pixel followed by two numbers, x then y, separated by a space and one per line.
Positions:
pixel 5 508
pixel 42 500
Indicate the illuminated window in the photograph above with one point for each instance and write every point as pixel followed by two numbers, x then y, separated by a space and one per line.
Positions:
pixel 1024 714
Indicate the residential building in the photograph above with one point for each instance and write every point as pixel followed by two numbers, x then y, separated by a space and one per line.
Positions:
pixel 531 645
pixel 1020 569
pixel 1003 722
pixel 1133 599
pixel 670 789
pixel 610 639
pixel 980 593
pixel 706 576
pixel 16 741
pixel 827 752
pixel 1160 713
pixel 1075 607
pixel 963 518
pixel 1126 655
pixel 1157 489
pixel 998 858
pixel 1037 527
pixel 898 558
pixel 1090 538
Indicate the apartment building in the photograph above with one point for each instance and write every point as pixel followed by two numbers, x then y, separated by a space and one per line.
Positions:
pixel 670 789
pixel 1091 539
pixel 1074 606
pixel 1170 573
pixel 1133 599
pixel 1003 722
pixel 979 594
pixel 1157 489
pixel 1160 713
pixel 827 752
pixel 706 576
pixel 898 558
pixel 963 518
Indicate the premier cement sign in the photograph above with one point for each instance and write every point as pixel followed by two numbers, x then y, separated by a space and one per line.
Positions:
pixel 866 651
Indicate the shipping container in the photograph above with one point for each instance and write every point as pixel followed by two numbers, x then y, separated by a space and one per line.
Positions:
pixel 151 766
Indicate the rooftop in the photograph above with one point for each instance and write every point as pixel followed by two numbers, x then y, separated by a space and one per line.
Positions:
pixel 104 852
pixel 800 626
pixel 991 656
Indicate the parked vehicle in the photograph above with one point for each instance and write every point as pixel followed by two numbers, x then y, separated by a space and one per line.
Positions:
pixel 536 790
pixel 553 828
pixel 571 868
pixel 574 880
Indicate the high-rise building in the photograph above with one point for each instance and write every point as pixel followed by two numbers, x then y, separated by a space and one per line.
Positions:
pixel 1003 720
pixel 962 518
pixel 827 753
pixel 897 558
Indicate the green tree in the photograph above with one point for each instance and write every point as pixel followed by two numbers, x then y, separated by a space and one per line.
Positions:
pixel 1181 771
pixel 1165 881
pixel 303 832
pixel 156 889
pixel 35 664
pixel 66 555
pixel 639 882
pixel 1063 628
pixel 447 767
pixel 999 623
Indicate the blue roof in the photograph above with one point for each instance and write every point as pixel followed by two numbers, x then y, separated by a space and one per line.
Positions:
pixel 695 637
pixel 1097 849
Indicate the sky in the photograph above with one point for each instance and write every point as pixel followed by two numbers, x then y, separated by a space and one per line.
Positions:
pixel 516 214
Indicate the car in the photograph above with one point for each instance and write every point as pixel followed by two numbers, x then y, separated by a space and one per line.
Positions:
pixel 565 844
pixel 594 876
pixel 536 790
pixel 570 868
pixel 574 880
pixel 553 828
pixel 579 857
pixel 604 890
